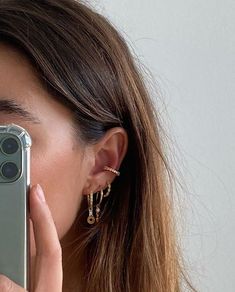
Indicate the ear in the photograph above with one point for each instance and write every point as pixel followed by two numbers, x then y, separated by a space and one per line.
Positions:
pixel 109 151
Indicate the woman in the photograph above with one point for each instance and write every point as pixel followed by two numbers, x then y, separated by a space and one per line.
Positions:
pixel 68 77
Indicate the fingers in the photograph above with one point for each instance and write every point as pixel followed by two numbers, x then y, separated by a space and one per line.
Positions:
pixel 48 263
pixel 6 285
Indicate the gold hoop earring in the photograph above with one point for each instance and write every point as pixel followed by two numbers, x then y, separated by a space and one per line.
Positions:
pixel 108 191
pixel 90 218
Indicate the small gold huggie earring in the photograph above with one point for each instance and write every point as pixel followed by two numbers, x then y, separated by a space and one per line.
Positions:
pixel 108 191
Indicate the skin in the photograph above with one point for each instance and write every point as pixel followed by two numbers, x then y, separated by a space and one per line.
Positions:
pixel 65 168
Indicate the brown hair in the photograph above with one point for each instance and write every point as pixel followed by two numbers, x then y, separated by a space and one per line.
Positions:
pixel 86 64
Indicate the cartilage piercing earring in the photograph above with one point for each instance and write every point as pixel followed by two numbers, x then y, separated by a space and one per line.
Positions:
pixel 112 170
pixel 90 218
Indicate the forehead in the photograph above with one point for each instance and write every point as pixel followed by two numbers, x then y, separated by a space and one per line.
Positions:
pixel 20 83
pixel 18 78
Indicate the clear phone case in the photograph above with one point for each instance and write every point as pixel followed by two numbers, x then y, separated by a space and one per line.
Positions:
pixel 15 145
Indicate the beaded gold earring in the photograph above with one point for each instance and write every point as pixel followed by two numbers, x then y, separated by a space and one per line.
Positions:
pixel 112 170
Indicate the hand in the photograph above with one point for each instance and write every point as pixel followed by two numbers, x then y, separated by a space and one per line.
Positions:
pixel 48 262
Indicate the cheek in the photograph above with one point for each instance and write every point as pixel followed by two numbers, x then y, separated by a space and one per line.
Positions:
pixel 60 175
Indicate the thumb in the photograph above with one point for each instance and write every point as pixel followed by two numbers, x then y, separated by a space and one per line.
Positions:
pixel 7 285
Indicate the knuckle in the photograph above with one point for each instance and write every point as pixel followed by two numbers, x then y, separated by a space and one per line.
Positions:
pixel 5 284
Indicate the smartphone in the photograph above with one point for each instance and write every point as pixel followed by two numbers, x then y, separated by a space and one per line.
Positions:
pixel 15 145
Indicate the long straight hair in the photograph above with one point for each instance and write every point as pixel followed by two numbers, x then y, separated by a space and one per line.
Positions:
pixel 84 62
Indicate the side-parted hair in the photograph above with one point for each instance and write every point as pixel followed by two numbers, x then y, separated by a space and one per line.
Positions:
pixel 84 62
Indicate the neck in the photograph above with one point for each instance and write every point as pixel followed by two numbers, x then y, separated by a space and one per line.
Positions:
pixel 72 263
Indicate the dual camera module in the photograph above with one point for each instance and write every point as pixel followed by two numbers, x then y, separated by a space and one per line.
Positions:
pixel 9 169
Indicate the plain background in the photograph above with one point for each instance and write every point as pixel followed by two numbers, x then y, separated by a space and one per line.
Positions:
pixel 189 47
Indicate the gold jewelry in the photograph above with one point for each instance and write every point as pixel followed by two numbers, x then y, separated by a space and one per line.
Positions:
pixel 112 170
pixel 90 218
pixel 108 191
pixel 97 208
pixel 99 197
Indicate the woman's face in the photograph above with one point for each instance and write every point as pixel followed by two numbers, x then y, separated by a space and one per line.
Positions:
pixel 58 162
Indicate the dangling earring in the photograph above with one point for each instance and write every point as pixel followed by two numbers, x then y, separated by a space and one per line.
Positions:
pixel 97 207
pixel 90 218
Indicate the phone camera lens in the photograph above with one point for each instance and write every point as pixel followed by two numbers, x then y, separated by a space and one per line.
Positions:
pixel 9 170
pixel 10 146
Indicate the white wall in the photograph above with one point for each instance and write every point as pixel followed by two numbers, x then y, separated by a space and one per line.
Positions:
pixel 189 47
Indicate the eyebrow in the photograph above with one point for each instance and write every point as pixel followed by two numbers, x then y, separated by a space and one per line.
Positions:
pixel 11 107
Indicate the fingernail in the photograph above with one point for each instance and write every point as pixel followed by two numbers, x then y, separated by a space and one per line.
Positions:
pixel 40 193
